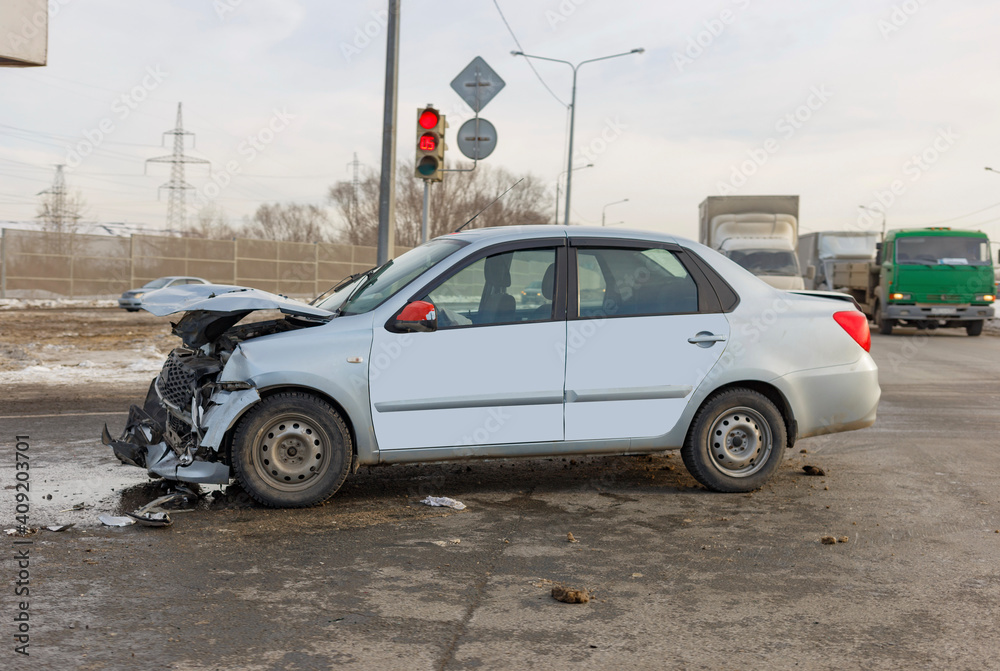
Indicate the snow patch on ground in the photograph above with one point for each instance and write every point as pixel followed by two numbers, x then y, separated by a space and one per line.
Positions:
pixel 135 365
pixel 56 303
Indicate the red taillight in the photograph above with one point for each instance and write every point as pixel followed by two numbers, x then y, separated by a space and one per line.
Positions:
pixel 856 325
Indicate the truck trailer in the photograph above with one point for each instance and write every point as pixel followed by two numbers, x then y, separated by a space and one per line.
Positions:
pixel 824 250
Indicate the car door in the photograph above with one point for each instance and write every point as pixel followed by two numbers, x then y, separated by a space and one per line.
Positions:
pixel 644 330
pixel 493 370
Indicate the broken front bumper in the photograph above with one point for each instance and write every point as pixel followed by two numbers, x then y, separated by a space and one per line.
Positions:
pixel 144 442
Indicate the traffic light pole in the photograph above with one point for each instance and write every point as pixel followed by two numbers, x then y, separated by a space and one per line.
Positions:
pixel 387 182
pixel 427 203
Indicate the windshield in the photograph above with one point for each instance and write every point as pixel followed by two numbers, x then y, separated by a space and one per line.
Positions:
pixel 933 250
pixel 390 278
pixel 767 261
pixel 333 301
pixel 157 284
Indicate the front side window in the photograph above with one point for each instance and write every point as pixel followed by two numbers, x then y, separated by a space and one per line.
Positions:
pixel 506 288
pixel 613 282
pixel 932 250
pixel 385 281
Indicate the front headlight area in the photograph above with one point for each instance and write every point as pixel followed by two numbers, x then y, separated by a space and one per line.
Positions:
pixel 185 387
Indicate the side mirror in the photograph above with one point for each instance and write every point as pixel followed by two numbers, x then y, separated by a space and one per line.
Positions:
pixel 810 272
pixel 878 253
pixel 416 317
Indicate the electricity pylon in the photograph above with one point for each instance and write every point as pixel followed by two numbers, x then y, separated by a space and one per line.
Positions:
pixel 177 187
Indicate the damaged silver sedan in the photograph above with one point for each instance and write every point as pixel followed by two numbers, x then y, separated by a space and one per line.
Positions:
pixel 630 343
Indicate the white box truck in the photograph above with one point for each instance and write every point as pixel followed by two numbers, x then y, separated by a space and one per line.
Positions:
pixel 758 232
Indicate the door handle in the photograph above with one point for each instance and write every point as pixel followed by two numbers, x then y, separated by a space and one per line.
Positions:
pixel 706 339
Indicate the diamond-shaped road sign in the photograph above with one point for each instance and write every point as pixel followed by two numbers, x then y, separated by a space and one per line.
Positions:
pixel 477 84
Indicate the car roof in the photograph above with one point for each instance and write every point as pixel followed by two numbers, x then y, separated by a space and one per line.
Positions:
pixel 512 233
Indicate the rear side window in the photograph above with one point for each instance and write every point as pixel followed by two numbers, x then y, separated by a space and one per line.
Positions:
pixel 629 282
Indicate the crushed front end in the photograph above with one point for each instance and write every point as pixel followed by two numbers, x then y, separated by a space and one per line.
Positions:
pixel 179 431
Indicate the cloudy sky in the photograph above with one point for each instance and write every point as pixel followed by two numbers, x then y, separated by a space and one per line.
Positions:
pixel 888 103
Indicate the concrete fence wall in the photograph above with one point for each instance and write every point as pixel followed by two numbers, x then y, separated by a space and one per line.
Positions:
pixel 36 264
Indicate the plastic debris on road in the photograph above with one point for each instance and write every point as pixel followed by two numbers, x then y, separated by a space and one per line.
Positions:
pixel 60 527
pixel 112 521
pixel 149 519
pixel 443 501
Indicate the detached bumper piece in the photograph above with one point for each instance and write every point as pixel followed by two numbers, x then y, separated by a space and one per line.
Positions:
pixel 142 444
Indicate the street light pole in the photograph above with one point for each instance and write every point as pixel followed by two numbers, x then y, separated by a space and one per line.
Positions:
pixel 605 208
pixel 882 212
pixel 992 170
pixel 387 181
pixel 559 177
pixel 572 110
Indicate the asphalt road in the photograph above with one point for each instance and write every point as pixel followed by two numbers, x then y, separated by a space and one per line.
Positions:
pixel 682 578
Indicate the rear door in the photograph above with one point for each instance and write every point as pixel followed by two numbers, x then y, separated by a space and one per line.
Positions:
pixel 493 371
pixel 644 330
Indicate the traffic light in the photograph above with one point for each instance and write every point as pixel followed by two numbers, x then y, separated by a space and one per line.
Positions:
pixel 429 164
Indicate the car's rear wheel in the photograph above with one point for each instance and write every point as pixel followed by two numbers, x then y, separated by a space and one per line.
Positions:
pixel 291 450
pixel 736 442
pixel 974 328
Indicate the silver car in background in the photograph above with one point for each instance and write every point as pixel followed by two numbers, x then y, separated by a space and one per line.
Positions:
pixel 640 342
pixel 131 300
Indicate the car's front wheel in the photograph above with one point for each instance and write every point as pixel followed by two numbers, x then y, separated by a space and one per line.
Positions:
pixel 291 450
pixel 736 442
pixel 884 325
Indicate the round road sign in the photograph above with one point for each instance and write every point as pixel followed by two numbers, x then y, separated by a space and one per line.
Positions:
pixel 477 138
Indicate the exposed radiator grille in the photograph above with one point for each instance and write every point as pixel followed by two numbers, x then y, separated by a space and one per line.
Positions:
pixel 176 381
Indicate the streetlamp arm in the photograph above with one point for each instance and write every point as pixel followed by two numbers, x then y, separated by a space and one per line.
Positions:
pixel 541 58
pixel 604 58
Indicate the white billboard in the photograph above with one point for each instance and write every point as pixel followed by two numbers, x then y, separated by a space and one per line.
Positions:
pixel 24 32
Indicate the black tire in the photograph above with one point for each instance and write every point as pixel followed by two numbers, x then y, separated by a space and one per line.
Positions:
pixel 974 328
pixel 291 450
pixel 884 325
pixel 748 444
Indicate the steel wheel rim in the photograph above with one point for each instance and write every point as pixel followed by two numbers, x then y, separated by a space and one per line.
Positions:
pixel 290 452
pixel 739 442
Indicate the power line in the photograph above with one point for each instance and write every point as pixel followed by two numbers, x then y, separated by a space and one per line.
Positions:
pixel 520 48
pixel 963 216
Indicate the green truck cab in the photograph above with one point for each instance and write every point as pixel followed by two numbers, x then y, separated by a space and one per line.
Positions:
pixel 930 278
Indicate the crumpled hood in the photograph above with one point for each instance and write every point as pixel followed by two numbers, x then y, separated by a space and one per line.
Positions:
pixel 225 298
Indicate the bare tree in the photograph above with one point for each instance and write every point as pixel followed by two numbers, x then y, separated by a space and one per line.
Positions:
pixel 453 202
pixel 212 222
pixel 289 222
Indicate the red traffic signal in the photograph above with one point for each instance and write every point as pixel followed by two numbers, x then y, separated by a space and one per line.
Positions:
pixel 428 119
pixel 429 160
pixel 428 142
